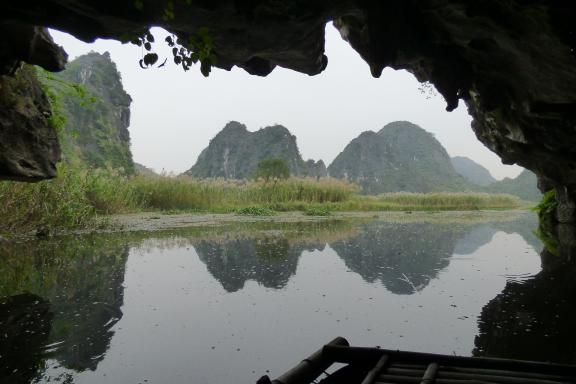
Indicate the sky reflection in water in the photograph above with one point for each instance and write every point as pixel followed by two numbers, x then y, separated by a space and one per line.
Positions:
pixel 226 305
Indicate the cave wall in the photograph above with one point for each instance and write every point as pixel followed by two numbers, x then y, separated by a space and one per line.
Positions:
pixel 29 147
pixel 512 62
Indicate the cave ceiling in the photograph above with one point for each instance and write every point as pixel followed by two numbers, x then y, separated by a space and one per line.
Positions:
pixel 512 62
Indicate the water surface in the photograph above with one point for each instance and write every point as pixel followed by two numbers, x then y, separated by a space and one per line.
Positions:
pixel 228 303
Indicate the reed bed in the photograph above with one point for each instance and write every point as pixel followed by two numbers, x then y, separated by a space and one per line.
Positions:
pixel 72 200
pixel 450 200
pixel 78 197
pixel 185 193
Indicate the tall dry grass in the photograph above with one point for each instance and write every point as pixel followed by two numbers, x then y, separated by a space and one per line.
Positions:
pixel 78 196
pixel 450 200
pixel 185 193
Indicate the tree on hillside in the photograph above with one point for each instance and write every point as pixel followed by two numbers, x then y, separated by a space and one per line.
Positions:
pixel 272 169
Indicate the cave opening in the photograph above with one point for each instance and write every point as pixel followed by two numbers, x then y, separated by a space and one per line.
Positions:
pixel 505 69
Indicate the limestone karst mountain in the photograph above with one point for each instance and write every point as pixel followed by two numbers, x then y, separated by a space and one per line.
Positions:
pixel 400 157
pixel 472 171
pixel 235 152
pixel 525 186
pixel 97 117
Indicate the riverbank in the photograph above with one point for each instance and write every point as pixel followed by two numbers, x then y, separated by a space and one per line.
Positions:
pixel 154 221
pixel 81 199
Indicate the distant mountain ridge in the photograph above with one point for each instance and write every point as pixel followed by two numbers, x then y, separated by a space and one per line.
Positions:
pixel 472 171
pixel 525 186
pixel 235 152
pixel 400 157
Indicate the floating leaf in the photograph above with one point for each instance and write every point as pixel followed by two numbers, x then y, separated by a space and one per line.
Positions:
pixel 150 37
pixel 148 46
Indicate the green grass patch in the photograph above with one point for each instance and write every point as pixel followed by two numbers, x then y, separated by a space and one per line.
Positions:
pixel 255 211
pixel 317 211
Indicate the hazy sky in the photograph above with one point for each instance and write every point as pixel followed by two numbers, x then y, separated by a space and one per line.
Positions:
pixel 176 113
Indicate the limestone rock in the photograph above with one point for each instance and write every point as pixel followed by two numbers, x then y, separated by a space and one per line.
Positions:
pixel 472 171
pixel 234 153
pixel 96 128
pixel 316 169
pixel 400 157
pixel 524 186
pixel 29 148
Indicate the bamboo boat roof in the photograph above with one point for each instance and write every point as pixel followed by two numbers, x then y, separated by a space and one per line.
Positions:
pixel 382 366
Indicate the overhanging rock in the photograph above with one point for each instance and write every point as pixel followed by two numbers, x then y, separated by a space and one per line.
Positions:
pixel 512 62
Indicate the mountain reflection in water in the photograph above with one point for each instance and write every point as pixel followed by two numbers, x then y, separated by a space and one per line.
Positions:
pixel 170 306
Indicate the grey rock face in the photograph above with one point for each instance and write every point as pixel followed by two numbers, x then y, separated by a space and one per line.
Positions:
pixel 523 186
pixel 400 157
pixel 316 169
pixel 96 127
pixel 472 171
pixel 234 153
pixel 30 44
pixel 29 148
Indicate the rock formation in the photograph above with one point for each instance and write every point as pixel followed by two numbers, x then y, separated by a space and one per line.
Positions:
pixel 29 148
pixel 235 152
pixel 96 128
pixel 525 186
pixel 316 168
pixel 472 171
pixel 400 157
pixel 513 63
pixel 536 312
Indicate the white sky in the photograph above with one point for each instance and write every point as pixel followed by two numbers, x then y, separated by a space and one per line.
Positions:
pixel 176 113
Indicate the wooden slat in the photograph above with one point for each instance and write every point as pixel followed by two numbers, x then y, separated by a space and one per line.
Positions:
pixel 445 370
pixel 430 374
pixel 403 380
pixel 312 367
pixel 397 379
pixel 374 372
pixel 498 378
pixel 351 355
pixel 405 371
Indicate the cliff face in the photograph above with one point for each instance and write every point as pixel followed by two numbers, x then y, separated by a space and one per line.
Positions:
pixel 472 171
pixel 235 152
pixel 29 148
pixel 400 157
pixel 96 128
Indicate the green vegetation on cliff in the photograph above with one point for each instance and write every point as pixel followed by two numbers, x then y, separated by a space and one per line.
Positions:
pixel 234 153
pixel 95 117
pixel 400 157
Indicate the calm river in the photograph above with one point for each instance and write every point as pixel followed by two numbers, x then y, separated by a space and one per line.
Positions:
pixel 229 303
